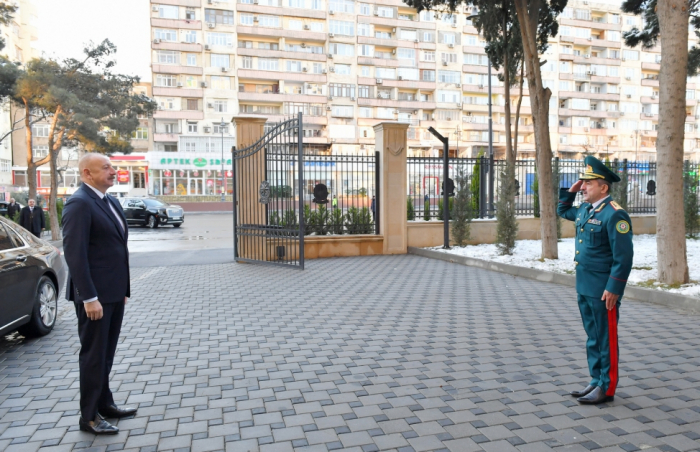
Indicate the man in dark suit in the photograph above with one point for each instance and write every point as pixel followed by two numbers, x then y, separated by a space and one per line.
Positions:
pixel 95 245
pixel 32 219
pixel 12 209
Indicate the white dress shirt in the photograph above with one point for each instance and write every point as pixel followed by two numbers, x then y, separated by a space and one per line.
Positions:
pixel 597 203
pixel 116 215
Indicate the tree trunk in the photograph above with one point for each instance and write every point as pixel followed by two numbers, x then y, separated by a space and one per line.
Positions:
pixel 528 18
pixel 510 158
pixel 670 233
pixel 31 164
pixel 517 108
pixel 55 143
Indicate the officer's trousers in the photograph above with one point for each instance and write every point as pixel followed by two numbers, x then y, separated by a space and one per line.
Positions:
pixel 601 347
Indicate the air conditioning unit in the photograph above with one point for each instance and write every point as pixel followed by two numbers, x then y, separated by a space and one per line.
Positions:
pixel 588 55
pixel 416 41
pixel 400 77
pixel 306 27
pixel 331 69
pixel 331 35
pixel 379 81
pixel 211 24
pixel 330 56
pixel 585 129
pixel 653 97
pixel 210 105
pixel 393 30
pixel 481 86
pixel 207 47
pixel 255 2
pixel 376 13
pixel 330 97
pixel 255 19
pixel 179 84
pixel 444 63
pixel 648 115
pixel 324 71
pixel 305 69
pixel 589 38
pixel 393 52
pixel 211 2
pixel 457 85
pixel 454 25
pixel 451 46
pixel 459 105
pixel 695 126
pixel 352 99
pixel 623 59
pixel 303 45
pixel 224 69
pixel 156 41
pixel 154 9
pixel 432 116
pixel 203 84
pixel 328 108
pixel 628 78
pixel 629 96
pixel 622 113
pixel 331 12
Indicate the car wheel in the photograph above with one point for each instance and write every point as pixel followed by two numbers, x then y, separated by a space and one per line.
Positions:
pixel 152 222
pixel 177 225
pixel 43 317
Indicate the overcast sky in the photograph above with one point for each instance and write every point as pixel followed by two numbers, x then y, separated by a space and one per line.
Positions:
pixel 65 26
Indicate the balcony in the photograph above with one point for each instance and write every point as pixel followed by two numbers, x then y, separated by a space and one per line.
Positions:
pixel 191 3
pixel 281 97
pixel 590 24
pixel 301 35
pixel 655 117
pixel 390 22
pixel 177 92
pixel 176 23
pixel 473 49
pixel 391 103
pixel 581 59
pixel 602 79
pixel 470 30
pixel 649 100
pixel 651 66
pixel 393 43
pixel 475 69
pixel 650 82
pixel 281 75
pixel 179 46
pixel 597 43
pixel 178 114
pixel 397 83
pixel 380 62
pixel 283 54
pixel 587 95
pixel 176 69
pixel 166 137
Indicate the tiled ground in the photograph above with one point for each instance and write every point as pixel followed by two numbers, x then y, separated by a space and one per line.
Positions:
pixel 363 354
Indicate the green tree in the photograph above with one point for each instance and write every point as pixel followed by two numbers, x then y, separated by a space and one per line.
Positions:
pixel 337 221
pixel 462 211
pixel 556 180
pixel 619 189
pixel 667 23
pixel 535 187
pixel 87 105
pixel 690 200
pixel 7 12
pixel 359 221
pixel 507 224
pixel 440 211
pixel 475 185
pixel 410 210
pixel 426 210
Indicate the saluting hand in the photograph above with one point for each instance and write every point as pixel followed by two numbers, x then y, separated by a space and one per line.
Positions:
pixel 610 299
pixel 93 310
pixel 576 187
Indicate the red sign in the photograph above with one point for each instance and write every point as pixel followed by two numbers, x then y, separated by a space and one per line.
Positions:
pixel 123 176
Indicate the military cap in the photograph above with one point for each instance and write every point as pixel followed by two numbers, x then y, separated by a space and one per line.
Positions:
pixel 595 169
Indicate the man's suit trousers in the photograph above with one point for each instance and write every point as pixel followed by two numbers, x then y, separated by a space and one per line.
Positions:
pixel 98 343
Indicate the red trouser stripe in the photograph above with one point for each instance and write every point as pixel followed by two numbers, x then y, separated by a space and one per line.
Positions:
pixel 612 341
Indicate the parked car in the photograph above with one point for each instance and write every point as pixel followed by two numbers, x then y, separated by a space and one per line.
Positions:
pixel 32 273
pixel 151 212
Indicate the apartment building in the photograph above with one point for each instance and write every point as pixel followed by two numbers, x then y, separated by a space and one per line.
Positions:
pixel 348 65
pixel 18 36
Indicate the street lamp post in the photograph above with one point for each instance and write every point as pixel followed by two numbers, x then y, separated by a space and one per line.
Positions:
pixel 223 189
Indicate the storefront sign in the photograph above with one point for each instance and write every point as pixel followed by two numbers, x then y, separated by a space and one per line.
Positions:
pixel 122 176
pixel 187 160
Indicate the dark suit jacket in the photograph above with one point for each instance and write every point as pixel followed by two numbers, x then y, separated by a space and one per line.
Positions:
pixel 95 247
pixel 12 209
pixel 33 222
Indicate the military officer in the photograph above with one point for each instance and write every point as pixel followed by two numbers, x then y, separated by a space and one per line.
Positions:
pixel 603 262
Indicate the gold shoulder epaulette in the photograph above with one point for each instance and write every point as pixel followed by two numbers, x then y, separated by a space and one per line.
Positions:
pixel 616 206
pixel 600 207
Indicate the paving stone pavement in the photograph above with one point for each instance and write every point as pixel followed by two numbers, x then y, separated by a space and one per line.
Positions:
pixel 395 353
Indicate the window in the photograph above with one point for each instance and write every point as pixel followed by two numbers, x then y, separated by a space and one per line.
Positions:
pixel 447 115
pixel 364 91
pixel 365 71
pixel 613 36
pixel 167 104
pixel 382 34
pixel 268 45
pixel 448 38
pixel 190 14
pixel 365 9
pixel 364 30
pixel 296 4
pixel 165 35
pixel 450 57
pixel 408 35
pixel 192 104
pixel 219 60
pixel 40 130
pixel 220 106
pixel 341 90
pixel 246 19
pixel 476 59
pixel 247 62
pixel 220 39
pixel 218 16
pixel 268 64
pixel 365 112
pixel 190 36
pixel 341 27
pixel 428 36
pixel 366 50
pixel 40 151
pixel 428 55
pixel 342 69
pixel 385 11
pixel 342 6
pixel 168 12
pixel 140 134
pixel 383 72
pixel 580 104
pixel 406 54
pixel 191 127
pixel 449 96
pixel 318 68
pixel 407 73
pixel 217 128
pixel 632 55
pixel 448 76
pixel 218 82
pixel 167 57
pixel 191 81
pixel 428 75
pixel 295 24
pixel 294 66
pixel 690 94
pixel 316 27
pixel 341 49
pixel 191 59
pixel 269 21
pixel 385 113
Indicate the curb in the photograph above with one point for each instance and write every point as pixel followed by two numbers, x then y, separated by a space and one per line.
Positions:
pixel 657 297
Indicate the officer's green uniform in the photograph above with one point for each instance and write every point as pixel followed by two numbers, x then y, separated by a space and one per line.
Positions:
pixel 603 262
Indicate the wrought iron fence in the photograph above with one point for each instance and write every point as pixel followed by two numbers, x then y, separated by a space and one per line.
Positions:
pixel 636 191
pixel 339 194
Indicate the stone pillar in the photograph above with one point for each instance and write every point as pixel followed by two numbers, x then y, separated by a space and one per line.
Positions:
pixel 390 141
pixel 250 172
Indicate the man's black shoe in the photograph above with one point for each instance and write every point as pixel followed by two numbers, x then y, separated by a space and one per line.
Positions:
pixel 583 392
pixel 114 411
pixel 595 397
pixel 97 427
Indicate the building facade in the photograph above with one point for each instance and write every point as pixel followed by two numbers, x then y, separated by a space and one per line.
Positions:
pixel 349 65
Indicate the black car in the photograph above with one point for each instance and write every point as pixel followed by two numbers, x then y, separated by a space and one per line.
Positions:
pixel 151 212
pixel 32 273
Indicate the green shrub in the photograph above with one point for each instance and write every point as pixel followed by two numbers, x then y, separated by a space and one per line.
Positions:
pixel 336 222
pixel 462 211
pixel 319 220
pixel 507 224
pixel 440 213
pixel 359 221
pixel 426 210
pixel 410 210
pixel 690 202
pixel 308 225
pixel 536 195
pixel 476 183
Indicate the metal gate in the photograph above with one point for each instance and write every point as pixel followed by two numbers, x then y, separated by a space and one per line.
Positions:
pixel 268 211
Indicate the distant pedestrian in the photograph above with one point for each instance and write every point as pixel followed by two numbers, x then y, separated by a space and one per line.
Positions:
pixel 32 219
pixel 334 202
pixel 373 207
pixel 426 198
pixel 12 209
